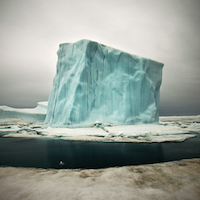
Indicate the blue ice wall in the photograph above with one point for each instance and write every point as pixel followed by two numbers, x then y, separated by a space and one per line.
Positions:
pixel 94 83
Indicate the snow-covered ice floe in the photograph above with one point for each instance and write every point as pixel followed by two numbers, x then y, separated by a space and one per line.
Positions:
pixel 175 128
pixel 178 180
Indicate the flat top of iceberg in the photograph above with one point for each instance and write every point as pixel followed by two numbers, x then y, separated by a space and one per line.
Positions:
pixel 103 45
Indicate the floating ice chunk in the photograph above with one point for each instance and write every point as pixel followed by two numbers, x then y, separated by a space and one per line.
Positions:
pixel 61 163
pixel 9 128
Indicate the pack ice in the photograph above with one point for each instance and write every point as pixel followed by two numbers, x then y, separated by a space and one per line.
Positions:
pixel 96 83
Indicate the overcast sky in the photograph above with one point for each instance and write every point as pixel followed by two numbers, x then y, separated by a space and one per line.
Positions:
pixel 164 30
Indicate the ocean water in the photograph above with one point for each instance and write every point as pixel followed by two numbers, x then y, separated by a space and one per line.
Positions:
pixel 58 153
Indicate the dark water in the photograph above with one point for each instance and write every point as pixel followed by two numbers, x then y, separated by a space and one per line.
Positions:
pixel 47 153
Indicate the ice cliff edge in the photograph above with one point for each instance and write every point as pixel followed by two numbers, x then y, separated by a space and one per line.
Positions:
pixel 95 82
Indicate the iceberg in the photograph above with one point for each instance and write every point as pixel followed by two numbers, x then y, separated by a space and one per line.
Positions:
pixel 96 83
pixel 33 114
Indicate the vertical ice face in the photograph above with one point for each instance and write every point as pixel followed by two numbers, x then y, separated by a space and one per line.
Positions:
pixel 94 82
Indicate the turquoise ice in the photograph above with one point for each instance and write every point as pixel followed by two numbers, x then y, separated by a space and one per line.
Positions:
pixel 97 83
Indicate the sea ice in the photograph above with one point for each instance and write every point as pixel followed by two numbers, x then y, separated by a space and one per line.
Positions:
pixel 95 82
pixel 164 181
pixel 178 128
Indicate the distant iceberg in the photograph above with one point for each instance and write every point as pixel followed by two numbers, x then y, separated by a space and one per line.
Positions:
pixel 32 114
pixel 97 83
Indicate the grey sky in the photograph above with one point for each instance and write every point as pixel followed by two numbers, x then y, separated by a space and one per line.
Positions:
pixel 167 31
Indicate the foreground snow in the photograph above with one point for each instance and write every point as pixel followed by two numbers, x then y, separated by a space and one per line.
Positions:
pixel 177 128
pixel 179 180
